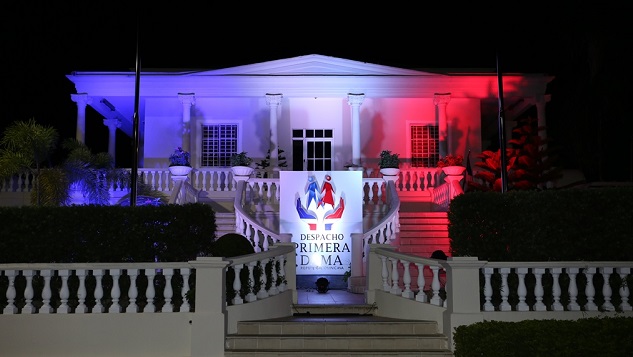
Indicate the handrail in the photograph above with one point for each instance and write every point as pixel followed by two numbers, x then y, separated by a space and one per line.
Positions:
pixel 388 225
pixel 183 192
pixel 279 281
pixel 247 226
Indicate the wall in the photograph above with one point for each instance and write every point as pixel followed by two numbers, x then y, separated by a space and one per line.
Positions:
pixel 107 335
pixel 384 124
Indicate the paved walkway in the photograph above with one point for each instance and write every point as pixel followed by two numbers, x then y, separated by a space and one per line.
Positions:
pixel 331 297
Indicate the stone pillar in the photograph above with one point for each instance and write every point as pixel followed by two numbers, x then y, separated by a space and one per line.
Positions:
pixel 441 100
pixel 462 293
pixel 355 100
pixel 82 99
pixel 112 125
pixel 208 322
pixel 187 100
pixel 273 101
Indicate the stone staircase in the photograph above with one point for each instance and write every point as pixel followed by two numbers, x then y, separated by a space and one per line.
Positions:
pixel 348 330
pixel 321 331
pixel 225 223
pixel 422 233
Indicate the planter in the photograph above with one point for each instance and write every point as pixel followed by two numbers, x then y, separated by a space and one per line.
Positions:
pixel 390 171
pixel 390 174
pixel 242 170
pixel 180 170
pixel 453 170
pixel 354 168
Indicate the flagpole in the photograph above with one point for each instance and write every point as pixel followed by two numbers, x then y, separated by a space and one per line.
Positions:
pixel 502 140
pixel 134 177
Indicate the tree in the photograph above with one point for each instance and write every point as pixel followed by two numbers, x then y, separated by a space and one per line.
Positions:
pixel 90 173
pixel 530 161
pixel 26 146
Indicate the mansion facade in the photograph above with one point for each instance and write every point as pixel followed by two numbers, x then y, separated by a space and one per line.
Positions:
pixel 321 112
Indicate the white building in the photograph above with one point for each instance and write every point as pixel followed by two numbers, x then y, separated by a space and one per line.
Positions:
pixel 323 112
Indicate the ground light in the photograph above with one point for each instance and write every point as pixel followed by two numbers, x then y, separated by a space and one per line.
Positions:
pixel 322 285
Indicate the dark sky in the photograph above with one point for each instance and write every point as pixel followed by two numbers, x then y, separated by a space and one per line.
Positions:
pixel 42 41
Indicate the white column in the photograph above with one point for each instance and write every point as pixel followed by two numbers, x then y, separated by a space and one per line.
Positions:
pixel 187 100
pixel 273 101
pixel 355 100
pixel 441 101
pixel 82 99
pixel 112 125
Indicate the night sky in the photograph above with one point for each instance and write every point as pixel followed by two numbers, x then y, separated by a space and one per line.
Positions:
pixel 587 49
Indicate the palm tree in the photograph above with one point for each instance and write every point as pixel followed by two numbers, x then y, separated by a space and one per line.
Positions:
pixel 26 145
pixel 92 174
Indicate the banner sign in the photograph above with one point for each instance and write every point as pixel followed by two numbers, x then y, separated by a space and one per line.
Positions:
pixel 321 210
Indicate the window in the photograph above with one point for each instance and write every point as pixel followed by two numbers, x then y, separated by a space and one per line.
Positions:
pixel 219 143
pixel 424 145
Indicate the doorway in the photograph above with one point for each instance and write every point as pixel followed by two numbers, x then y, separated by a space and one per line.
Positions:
pixel 312 149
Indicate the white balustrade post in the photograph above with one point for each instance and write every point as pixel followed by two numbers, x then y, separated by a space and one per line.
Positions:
pixel 262 293
pixel 168 293
pixel 132 291
pixel 98 292
pixel 488 306
pixel 115 291
pixel 406 279
pixel 150 292
pixel 81 292
pixel 28 293
pixel 421 295
pixel 505 290
pixel 281 260
pixel 590 290
pixel 435 286
pixel 395 277
pixel 556 292
pixel 522 290
pixel 237 284
pixel 11 293
pixel 64 293
pixel 462 287
pixel 185 272
pixel 624 289
pixel 573 289
pixel 606 288
pixel 208 321
pixel 538 289
pixel 250 296
pixel 273 278
pixel 46 292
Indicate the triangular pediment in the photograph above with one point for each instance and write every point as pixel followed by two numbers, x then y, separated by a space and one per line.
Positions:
pixel 313 65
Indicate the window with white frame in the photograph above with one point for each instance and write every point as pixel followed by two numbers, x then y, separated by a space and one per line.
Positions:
pixel 219 143
pixel 425 149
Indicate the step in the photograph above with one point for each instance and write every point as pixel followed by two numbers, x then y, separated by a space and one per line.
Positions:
pixel 423 214
pixel 341 310
pixel 414 226
pixel 225 223
pixel 337 335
